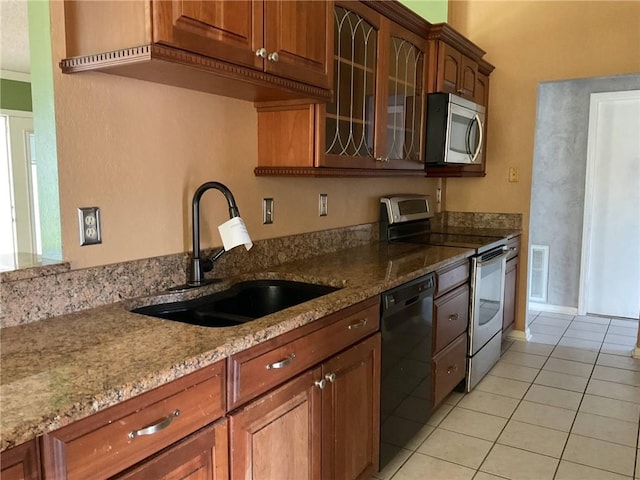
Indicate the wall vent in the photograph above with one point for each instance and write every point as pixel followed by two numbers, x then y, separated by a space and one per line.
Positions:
pixel 538 273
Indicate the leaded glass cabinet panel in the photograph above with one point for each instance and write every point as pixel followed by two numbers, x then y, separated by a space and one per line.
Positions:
pixel 350 119
pixel 405 96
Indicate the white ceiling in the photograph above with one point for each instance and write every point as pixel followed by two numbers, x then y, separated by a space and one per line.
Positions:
pixel 14 36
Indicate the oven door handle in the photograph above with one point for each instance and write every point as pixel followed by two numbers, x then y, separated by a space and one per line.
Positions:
pixel 494 258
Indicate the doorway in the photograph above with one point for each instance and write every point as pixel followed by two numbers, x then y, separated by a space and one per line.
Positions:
pixel 610 260
pixel 558 184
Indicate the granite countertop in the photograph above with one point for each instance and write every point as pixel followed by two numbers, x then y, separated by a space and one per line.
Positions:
pixel 65 368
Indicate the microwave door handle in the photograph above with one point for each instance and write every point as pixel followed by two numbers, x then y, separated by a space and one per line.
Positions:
pixel 480 139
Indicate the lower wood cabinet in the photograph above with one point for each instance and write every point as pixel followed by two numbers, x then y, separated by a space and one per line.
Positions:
pixel 305 404
pixel 450 324
pixel 323 424
pixel 201 456
pixel 511 284
pixel 279 434
pixel 113 440
pixel 351 412
pixel 21 462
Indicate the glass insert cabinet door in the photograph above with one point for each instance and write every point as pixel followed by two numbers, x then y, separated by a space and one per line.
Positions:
pixel 350 118
pixel 377 116
pixel 404 122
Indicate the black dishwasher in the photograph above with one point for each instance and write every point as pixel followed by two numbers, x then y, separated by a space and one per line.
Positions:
pixel 406 380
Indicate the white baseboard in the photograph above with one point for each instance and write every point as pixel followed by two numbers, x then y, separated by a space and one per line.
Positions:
pixel 546 307
pixel 523 336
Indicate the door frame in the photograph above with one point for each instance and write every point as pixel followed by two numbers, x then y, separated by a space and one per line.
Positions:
pixel 594 105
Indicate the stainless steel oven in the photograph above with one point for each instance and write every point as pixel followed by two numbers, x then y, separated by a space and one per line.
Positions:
pixel 485 314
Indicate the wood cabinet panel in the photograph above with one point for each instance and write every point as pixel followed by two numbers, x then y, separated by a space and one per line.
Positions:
pixel 451 276
pixel 510 294
pixel 448 68
pixel 467 79
pixel 301 33
pixel 449 368
pixel 450 316
pixel 112 440
pixel 511 283
pixel 351 412
pixel 21 462
pixel 230 31
pixel 202 456
pixel 260 368
pixel 279 434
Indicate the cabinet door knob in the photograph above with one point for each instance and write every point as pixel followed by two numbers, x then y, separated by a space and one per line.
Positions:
pixel 330 377
pixel 321 383
pixel 261 52
pixel 452 368
pixel 273 57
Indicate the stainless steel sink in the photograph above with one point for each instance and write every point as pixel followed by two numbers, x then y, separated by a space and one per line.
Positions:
pixel 243 302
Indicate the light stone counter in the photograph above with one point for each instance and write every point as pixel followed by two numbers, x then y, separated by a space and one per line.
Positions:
pixel 68 367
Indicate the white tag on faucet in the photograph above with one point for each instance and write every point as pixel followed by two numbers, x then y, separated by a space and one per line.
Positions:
pixel 234 233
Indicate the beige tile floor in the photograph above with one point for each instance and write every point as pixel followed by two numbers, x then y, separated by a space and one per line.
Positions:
pixel 563 406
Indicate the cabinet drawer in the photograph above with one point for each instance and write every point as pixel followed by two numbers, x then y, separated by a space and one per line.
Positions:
pixel 450 277
pixel 449 368
pixel 264 366
pixel 451 317
pixel 117 438
pixel 514 248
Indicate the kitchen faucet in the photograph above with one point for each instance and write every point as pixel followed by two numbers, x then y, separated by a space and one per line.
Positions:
pixel 198 266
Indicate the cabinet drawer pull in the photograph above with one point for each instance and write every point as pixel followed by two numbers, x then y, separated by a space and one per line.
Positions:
pixel 151 429
pixel 452 368
pixel 282 363
pixel 453 317
pixel 359 324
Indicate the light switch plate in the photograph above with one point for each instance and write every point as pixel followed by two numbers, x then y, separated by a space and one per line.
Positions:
pixel 89 223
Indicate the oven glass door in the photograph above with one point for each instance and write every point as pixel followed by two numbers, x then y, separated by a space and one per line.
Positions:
pixel 488 299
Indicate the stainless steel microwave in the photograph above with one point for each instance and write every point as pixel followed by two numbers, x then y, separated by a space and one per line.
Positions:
pixel 454 130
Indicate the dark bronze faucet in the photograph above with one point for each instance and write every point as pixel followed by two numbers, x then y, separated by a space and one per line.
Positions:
pixel 198 265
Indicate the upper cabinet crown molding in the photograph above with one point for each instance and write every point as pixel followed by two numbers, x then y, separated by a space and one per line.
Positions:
pixel 254 50
pixel 446 33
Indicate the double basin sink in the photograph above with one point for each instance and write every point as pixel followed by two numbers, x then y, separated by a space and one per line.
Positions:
pixel 243 302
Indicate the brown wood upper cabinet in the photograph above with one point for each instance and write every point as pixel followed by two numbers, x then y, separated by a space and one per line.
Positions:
pixel 290 39
pixel 375 123
pixel 258 50
pixel 457 73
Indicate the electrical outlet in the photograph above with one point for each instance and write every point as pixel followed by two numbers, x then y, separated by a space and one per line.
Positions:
pixel 513 175
pixel 323 208
pixel 267 210
pixel 89 223
pixel 438 195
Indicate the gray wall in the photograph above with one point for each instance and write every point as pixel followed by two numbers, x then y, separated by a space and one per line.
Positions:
pixel 559 169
